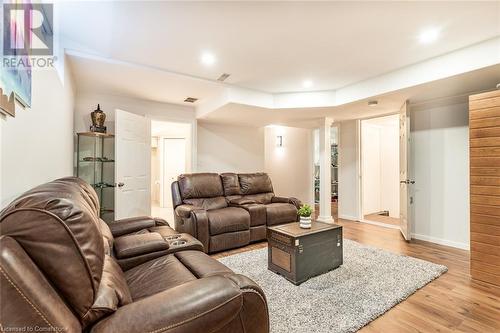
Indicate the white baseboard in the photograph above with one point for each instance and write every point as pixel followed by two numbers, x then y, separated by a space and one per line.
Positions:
pixel 348 217
pixel 380 224
pixel 440 241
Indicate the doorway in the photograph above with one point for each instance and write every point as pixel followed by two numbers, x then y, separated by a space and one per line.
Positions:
pixel 171 155
pixel 334 168
pixel 380 199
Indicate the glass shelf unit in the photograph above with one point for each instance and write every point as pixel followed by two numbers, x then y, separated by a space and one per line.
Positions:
pixel 96 165
pixel 334 175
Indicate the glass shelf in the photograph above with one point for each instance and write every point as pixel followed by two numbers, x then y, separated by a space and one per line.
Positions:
pixel 95 165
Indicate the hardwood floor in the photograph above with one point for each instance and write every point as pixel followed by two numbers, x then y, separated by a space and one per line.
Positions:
pixel 451 303
pixel 382 219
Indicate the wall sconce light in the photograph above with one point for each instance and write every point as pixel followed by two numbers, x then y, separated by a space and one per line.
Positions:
pixel 279 141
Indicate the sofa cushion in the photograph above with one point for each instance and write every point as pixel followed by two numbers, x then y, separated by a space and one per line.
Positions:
pixel 228 220
pixel 278 213
pixel 207 203
pixel 200 185
pixel 260 198
pixel 252 183
pixel 156 276
pixel 231 184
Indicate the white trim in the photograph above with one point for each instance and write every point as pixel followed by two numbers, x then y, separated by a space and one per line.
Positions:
pixel 348 217
pixel 325 219
pixel 440 241
pixel 380 224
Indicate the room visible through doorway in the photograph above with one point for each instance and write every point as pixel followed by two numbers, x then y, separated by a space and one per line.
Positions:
pixel 171 156
pixel 380 170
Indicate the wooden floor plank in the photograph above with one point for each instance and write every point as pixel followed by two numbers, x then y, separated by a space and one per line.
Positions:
pixel 452 303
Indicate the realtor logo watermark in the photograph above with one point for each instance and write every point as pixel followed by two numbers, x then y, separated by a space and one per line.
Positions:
pixel 28 38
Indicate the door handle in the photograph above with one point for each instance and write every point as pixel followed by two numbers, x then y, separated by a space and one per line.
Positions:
pixel 121 184
pixel 407 181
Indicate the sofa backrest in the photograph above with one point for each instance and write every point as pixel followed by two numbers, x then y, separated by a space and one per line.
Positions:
pixel 56 226
pixel 254 186
pixel 202 190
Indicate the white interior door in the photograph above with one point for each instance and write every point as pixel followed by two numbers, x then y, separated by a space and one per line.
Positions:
pixel 174 164
pixel 405 199
pixel 132 166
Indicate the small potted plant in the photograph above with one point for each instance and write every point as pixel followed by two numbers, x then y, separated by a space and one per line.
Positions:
pixel 305 212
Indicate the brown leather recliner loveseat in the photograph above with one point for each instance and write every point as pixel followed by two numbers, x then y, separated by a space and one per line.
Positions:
pixel 58 273
pixel 229 210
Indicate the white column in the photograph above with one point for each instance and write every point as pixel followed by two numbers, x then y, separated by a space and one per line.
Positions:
pixel 325 177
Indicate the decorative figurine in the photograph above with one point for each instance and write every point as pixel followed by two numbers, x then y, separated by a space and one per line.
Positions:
pixel 98 117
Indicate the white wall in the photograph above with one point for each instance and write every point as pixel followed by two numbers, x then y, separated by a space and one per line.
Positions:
pixel 371 167
pixel 85 103
pixel 380 165
pixel 290 166
pixel 349 170
pixel 228 148
pixel 37 145
pixel 440 168
pixel 389 168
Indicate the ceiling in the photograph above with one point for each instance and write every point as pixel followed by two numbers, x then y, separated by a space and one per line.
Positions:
pixel 456 89
pixel 152 49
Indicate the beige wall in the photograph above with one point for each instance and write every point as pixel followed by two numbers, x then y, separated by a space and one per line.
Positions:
pixel 86 102
pixel 226 148
pixel 37 145
pixel 290 166
pixel 349 170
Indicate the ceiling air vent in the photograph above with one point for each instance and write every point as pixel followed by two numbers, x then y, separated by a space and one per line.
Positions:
pixel 190 99
pixel 223 77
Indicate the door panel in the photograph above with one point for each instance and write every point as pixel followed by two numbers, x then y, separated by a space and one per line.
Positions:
pixel 404 181
pixel 174 164
pixel 132 140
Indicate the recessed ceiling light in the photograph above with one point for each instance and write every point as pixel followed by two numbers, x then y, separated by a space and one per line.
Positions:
pixel 429 35
pixel 307 84
pixel 208 58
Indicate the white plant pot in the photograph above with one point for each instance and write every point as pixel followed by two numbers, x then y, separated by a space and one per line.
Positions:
pixel 305 222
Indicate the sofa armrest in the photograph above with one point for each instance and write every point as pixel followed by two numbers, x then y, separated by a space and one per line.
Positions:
pixel 194 221
pixel 134 224
pixel 291 200
pixel 184 210
pixel 130 225
pixel 203 305
pixel 136 245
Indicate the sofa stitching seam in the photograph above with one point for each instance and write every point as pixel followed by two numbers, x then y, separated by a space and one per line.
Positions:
pixel 25 298
pixel 194 317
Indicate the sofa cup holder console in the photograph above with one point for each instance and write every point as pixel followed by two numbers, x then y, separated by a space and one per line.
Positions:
pixel 178 243
pixel 173 237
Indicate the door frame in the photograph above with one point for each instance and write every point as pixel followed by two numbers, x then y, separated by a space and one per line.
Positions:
pixel 193 137
pixel 361 217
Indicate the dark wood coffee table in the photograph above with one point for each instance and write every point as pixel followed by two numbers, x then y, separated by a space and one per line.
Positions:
pixel 299 254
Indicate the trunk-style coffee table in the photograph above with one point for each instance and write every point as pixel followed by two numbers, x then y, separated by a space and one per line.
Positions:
pixel 299 254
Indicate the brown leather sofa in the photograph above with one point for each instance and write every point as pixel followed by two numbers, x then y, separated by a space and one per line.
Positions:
pixel 58 272
pixel 229 210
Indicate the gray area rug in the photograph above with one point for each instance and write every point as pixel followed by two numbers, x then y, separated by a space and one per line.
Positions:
pixel 370 282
